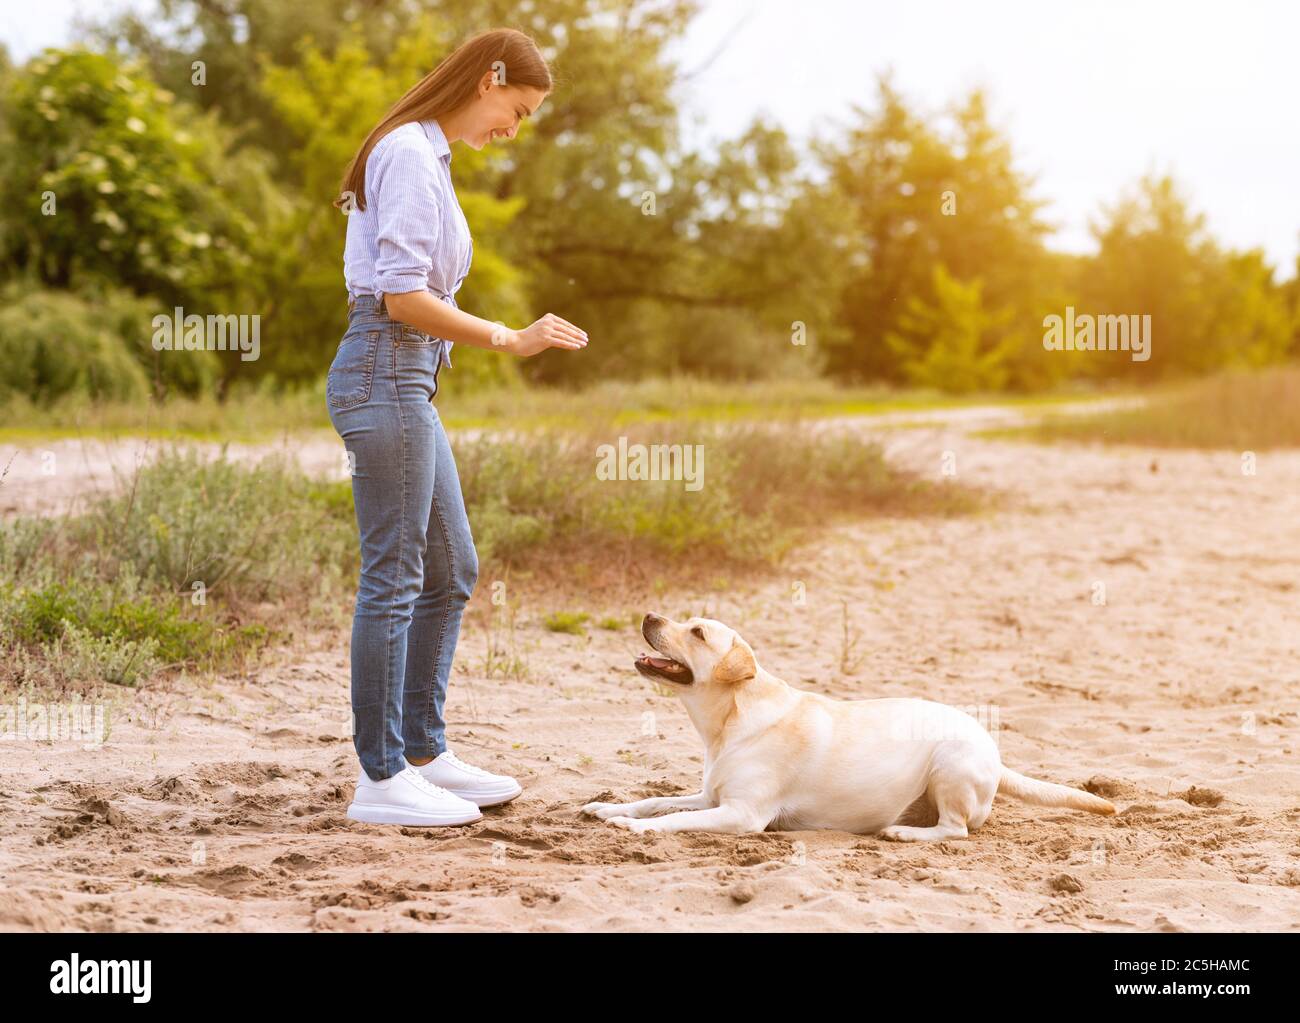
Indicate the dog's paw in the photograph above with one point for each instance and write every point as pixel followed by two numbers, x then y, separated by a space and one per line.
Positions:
pixel 601 810
pixel 897 833
pixel 633 824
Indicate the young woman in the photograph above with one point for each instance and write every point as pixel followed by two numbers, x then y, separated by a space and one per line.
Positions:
pixel 408 251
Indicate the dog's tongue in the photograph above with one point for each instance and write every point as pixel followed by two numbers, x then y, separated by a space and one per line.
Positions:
pixel 659 662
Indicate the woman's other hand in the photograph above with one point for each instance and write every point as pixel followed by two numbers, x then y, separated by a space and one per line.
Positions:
pixel 550 331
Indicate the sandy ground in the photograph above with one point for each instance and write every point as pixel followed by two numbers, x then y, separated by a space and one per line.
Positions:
pixel 220 806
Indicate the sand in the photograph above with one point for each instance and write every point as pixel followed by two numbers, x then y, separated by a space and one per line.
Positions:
pixel 220 805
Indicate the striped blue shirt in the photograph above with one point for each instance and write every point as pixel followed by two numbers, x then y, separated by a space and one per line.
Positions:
pixel 412 233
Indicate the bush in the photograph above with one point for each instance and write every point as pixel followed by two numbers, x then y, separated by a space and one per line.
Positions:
pixel 105 596
pixel 1238 411
pixel 130 318
pixel 95 345
pixel 107 593
pixel 124 185
pixel 537 495
pixel 54 344
pixel 954 344
pixel 43 615
pixel 83 656
pixel 261 532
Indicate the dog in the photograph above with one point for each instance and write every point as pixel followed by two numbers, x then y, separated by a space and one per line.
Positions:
pixel 782 758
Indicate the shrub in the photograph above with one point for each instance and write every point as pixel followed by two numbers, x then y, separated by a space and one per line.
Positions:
pixel 147 193
pixel 1238 411
pixel 260 532
pixel 85 657
pixel 54 344
pixel 538 494
pixel 571 622
pixel 41 616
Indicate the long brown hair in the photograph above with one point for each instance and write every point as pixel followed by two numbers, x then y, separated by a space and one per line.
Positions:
pixel 449 86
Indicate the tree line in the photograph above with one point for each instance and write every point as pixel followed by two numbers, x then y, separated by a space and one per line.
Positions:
pixel 189 156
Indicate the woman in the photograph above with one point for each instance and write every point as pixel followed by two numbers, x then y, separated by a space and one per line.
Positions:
pixel 408 251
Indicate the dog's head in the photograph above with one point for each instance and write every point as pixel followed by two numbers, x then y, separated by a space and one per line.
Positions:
pixel 697 652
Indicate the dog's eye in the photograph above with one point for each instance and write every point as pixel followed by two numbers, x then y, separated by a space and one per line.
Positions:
pixel 698 631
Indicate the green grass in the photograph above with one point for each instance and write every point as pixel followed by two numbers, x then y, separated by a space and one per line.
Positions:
pixel 624 403
pixel 40 616
pixel 538 506
pixel 1239 411
pixel 573 622
pixel 257 414
pixel 196 563
pixel 200 561
pixel 251 414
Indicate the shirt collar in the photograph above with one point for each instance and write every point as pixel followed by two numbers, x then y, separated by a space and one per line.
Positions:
pixel 433 132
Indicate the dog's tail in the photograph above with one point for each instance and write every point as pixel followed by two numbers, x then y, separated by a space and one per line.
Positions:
pixel 1045 793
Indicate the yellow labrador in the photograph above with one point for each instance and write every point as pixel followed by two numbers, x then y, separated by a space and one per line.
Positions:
pixel 911 770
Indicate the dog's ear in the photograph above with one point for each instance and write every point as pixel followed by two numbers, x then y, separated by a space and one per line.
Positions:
pixel 737 666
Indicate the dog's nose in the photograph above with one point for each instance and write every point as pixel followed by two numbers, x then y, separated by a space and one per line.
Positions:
pixel 650 626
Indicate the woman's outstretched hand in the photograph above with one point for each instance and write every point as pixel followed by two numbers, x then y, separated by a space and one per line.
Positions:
pixel 549 332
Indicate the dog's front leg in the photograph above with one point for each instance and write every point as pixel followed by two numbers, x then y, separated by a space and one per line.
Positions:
pixel 646 807
pixel 727 819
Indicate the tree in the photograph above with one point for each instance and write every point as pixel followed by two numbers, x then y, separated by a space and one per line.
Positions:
pixel 115 182
pixel 1209 308
pixel 592 212
pixel 952 343
pixel 1291 291
pixel 922 193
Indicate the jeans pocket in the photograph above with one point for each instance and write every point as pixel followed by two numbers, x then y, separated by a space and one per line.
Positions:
pixel 352 373
pixel 409 337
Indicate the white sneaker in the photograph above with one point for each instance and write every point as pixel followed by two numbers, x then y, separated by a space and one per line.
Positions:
pixel 480 787
pixel 407 798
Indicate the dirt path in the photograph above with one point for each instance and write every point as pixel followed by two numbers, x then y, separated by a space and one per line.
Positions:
pixel 57 476
pixel 47 478
pixel 221 807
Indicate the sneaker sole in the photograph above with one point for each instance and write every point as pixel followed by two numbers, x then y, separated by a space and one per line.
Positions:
pixel 485 801
pixel 369 813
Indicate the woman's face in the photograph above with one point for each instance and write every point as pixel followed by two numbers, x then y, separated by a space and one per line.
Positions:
pixel 498 111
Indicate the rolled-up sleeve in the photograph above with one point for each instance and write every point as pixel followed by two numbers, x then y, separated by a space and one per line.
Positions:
pixel 409 216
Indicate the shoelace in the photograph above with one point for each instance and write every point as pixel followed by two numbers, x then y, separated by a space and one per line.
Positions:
pixel 427 787
pixel 455 761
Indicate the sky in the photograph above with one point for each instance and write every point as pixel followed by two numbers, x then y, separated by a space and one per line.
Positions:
pixel 1092 94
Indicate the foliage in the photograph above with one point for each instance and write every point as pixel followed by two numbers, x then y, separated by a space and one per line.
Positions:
pixel 1209 308
pixel 954 345
pixel 537 496
pixel 192 154
pixel 1241 411
pixel 97 343
pixel 54 344
pixel 116 182
pixel 925 193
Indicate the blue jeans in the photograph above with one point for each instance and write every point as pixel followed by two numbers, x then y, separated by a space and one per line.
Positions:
pixel 418 562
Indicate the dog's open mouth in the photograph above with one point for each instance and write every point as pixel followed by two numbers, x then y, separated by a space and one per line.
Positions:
pixel 665 668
